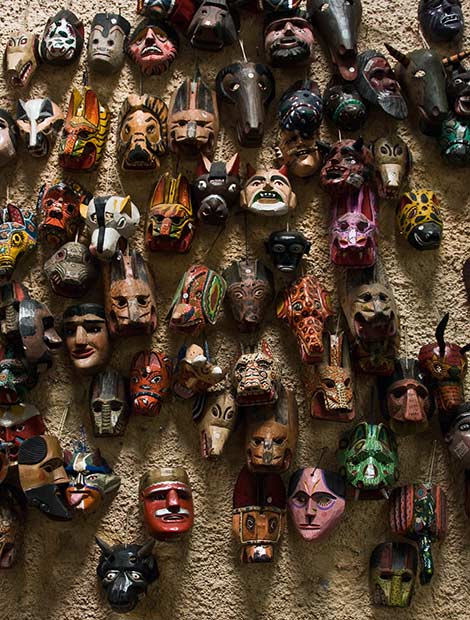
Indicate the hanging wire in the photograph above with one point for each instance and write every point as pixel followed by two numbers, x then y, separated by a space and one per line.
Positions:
pixel 242 46
pixel 320 458
pixel 60 429
pixel 431 464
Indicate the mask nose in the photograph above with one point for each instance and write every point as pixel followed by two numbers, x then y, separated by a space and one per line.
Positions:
pixel 172 501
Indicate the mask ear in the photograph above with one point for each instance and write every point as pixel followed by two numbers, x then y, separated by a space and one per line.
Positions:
pixel 292 200
pixel 250 171
pixel 126 207
pixel 84 210
pixel 233 166
pixel 265 348
pixel 282 305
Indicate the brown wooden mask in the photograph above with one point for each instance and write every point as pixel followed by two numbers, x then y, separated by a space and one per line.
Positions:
pixel 86 337
pixel 150 382
pixel 153 46
pixel 109 407
pixel 288 38
pixel 38 335
pixel 21 59
pixel 107 42
pixel 255 376
pixel 195 373
pixel 9 136
pixel 217 423
pixel 71 270
pixel 215 24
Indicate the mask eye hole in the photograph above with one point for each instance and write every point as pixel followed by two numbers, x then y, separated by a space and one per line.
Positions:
pixel 386 575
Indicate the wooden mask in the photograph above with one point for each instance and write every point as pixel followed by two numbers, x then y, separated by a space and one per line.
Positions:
pixel 344 105
pixel 38 335
pixel 153 46
pixel 17 376
pixel 216 189
pixel 72 270
pixel 286 249
pixel 217 423
pixel 18 236
pixel 21 59
pixel 393 569
pixel 458 436
pixel 150 382
pixel 107 42
pixel 288 38
pixel 300 155
pixel 348 165
pixel 195 373
pixel 441 20
pixel 11 293
pixel 255 376
pixel 268 192
pixel 419 219
pixel 62 40
pixel 86 338
pixel 12 521
pixel 215 24
pixel 9 135
pixel 454 141
pixel 39 121
pixel 394 162
pixel 108 404
pixel 18 423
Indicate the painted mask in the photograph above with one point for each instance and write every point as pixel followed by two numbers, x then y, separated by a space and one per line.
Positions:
pixel 90 480
pixel 286 249
pixel 17 424
pixel 86 338
pixel 332 394
pixel 288 38
pixel 217 423
pixel 368 460
pixel 393 162
pixel 150 382
pixel 300 156
pixel 301 108
pixel 348 165
pixel 378 85
pixel 153 46
pixel 18 236
pixel 305 306
pixel 454 141
pixel 38 335
pixel 21 59
pixel 12 518
pixel 42 476
pixel 62 40
pixel 171 218
pixel 85 131
pixel 338 22
pixel 11 293
pixel 17 377
pixel 445 366
pixel 215 24
pixel 107 42
pixel 251 88
pixel 419 512
pixel 458 90
pixel 72 270
pixel 392 573
pixel 39 121
pixel 216 189
pixel 108 404
pixel 259 514
pixel 441 20
pixel 143 132
pixel 268 192
pixel 195 373
pixel 125 572
pixel 167 501
pixel 111 221
pixel 157 8
pixel 419 219
pixel 344 105
pixel 255 377
pixel 197 301
pixel 458 437
pixel 316 501
pixel 9 135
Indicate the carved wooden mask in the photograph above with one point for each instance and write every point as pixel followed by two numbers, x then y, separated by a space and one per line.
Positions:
pixel 150 382
pixel 107 42
pixel 21 59
pixel 109 407
pixel 255 376
pixel 195 373
pixel 217 423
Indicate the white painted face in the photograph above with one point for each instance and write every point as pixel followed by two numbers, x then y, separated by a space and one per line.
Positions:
pixel 60 40
pixel 38 121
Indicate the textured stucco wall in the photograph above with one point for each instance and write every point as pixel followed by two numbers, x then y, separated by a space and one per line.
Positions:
pixel 54 578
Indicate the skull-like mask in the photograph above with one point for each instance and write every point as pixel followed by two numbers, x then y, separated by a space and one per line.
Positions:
pixel 348 165
pixel 344 105
pixel 458 436
pixel 216 189
pixel 217 423
pixel 150 382
pixel 108 404
pixel 18 236
pixel 21 59
pixel 37 332
pixel 62 41
pixel 392 573
pixel 9 135
pixel 255 377
pixel 419 219
pixel 288 38
pixel 268 192
pixel 153 46
pixel 39 121
pixel 441 20
pixel 286 249
pixel 107 42
pixel 195 373
pixel 71 270
pixel 393 162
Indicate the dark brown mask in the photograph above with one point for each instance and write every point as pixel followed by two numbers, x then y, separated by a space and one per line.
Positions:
pixel 38 335
pixel 216 189
pixel 214 25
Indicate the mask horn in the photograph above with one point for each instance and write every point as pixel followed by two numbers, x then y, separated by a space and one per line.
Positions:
pixel 323 147
pixel 400 56
pixel 146 548
pixel 105 548
pixel 441 328
pixel 464 350
pixel 358 144
pixel 455 58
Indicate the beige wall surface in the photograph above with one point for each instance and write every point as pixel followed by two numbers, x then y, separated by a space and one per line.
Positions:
pixel 54 578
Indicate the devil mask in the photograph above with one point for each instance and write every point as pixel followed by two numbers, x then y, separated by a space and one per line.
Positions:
pixel 348 165
pixel 458 90
pixel 393 161
pixel 8 137
pixel 288 38
pixel 108 39
pixel 286 249
pixel 150 382
pixel 18 423
pixel 86 338
pixel 441 20
pixel 301 108
pixel 108 404
pixel 62 40
pixel 419 219
pixel 167 501
pixel 458 436
pixel 21 59
pixel 195 373
pixel 12 518
pixel 216 189
pixel 125 572
pixel 344 105
pixel 268 192
pixel 392 573
pixel 38 335
pixel 18 236
pixel 17 376
pixel 255 377
pixel 214 25
pixel 316 500
pixel 217 423
pixel 71 270
pixel 153 46
pixel 39 121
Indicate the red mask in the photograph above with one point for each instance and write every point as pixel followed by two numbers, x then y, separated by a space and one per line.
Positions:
pixel 150 382
pixel 18 423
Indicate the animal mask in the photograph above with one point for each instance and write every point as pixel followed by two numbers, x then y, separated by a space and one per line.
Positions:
pixel 143 132
pixel 195 373
pixel 217 423
pixel 454 141
pixel 171 218
pixel 12 518
pixel 86 337
pixel 150 382
pixel 255 377
pixel 348 165
pixel 419 219
pixel 215 24
pixel 216 189
pixel 393 162
pixel 9 135
pixel 268 192
pixel 37 332
pixel 458 89
pixel 316 501
pixel 18 423
pixel 85 131
pixel 441 20
pixel 18 236
pixel 62 40
pixel 344 105
pixel 108 404
pixel 17 376
pixel 305 306
pixel 21 59
pixel 458 436
pixel 286 249
pixel 39 121
pixel 288 38
pixel 301 108
pixel 153 46
pixel 107 42
pixel 71 270
pixel 393 568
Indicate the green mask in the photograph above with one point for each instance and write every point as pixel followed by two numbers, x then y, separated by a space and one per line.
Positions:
pixel 393 568
pixel 455 142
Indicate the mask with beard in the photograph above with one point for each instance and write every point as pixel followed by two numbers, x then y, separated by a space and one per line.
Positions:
pixel 268 193
pixel 153 46
pixel 288 38
pixel 17 424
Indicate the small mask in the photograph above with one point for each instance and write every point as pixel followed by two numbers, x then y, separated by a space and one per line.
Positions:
pixel 454 141
pixel 150 382
pixel 251 88
pixel 301 108
pixel 419 219
pixel 62 40
pixel 316 501
pixel 286 249
pixel 255 377
pixel 9 135
pixel 85 132
pixel 38 335
pixel 348 165
pixel 42 476
pixel 197 301
pixel 157 8
pixel 111 220
pixel 216 189
pixel 195 373
pixel 108 404
pixel 21 59
pixel 12 518
pixel 393 161
pixel 392 573
pixel 107 42
pixel 86 338
pixel 143 133
pixel 193 118
pixel 17 377
pixel 215 24
pixel 344 105
pixel 17 424
pixel 441 20
pixel 458 437
pixel 458 90
pixel 129 300
pixel 300 156
pixel 90 480
pixel 259 514
pixel 153 46
pixel 171 218
pixel 217 423
pixel 72 270
pixel 11 293
pixel 18 236
pixel 39 121
pixel 368 460
pixel 167 501
pixel 125 572
pixel 305 306
pixel 268 192
pixel 288 38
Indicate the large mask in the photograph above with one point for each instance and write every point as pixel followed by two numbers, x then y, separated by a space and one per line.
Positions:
pixel 42 476
pixel 368 460
pixel 17 377
pixel 393 162
pixel 150 382
pixel 316 501
pixel 268 192
pixel 18 236
pixel 90 480
pixel 419 219
pixel 259 514
pixel 153 46
pixel 171 218
pixel 21 59
pixel 215 24
pixel 125 572
pixel 167 501
pixel 129 300
pixel 197 300
pixel 85 131
pixel 419 512
pixel 378 85
pixel 195 373
pixel 286 249
pixel 39 121
pixel 17 424
pixel 9 135
pixel 38 335
pixel 454 141
pixel 62 40
pixel 392 574
pixel 348 165
pixel 72 270
pixel 107 42
pixel 301 108
pixel 108 404
pixel 458 436
pixel 251 88
pixel 288 38
pixel 305 306
pixel 441 20
pixel 344 105
pixel 12 518
pixel 143 132
pixel 86 337
pixel 111 220
pixel 255 377
pixel 217 423
pixel 216 189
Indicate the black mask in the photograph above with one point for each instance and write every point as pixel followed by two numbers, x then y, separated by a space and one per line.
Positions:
pixel 301 108
pixel 441 20
pixel 286 249
pixel 458 91
pixel 344 105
